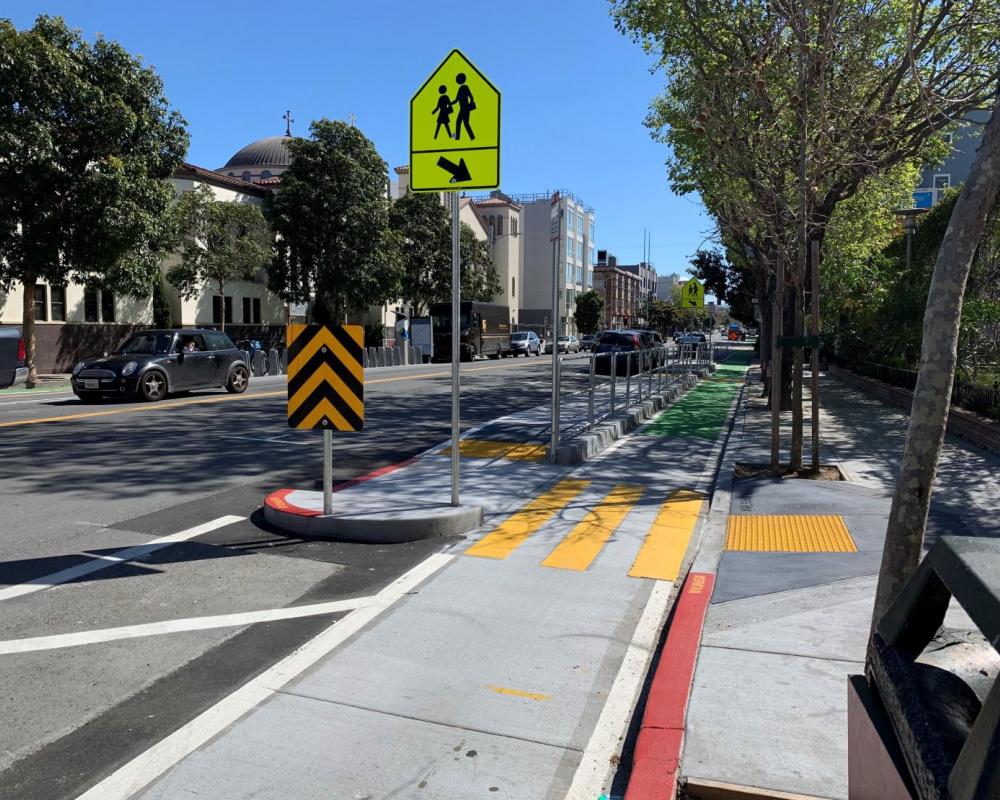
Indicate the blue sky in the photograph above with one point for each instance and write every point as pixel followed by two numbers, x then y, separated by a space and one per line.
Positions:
pixel 575 91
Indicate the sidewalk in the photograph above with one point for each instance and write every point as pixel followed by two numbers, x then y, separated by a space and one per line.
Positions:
pixel 506 665
pixel 791 609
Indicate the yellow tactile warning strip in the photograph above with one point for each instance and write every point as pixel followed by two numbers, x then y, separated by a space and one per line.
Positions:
pixel 486 448
pixel 514 530
pixel 666 543
pixel 789 534
pixel 584 542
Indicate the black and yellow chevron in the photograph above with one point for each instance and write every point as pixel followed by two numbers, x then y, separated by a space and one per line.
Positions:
pixel 326 377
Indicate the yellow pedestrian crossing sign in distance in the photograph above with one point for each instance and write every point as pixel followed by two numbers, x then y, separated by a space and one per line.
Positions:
pixel 326 377
pixel 455 129
pixel 693 294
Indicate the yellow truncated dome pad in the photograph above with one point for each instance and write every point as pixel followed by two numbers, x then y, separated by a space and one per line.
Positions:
pixel 790 534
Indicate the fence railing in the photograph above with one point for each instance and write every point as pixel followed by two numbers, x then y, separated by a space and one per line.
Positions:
pixel 976 397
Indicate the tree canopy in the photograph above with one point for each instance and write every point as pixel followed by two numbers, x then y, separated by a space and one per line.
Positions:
pixel 424 229
pixel 334 244
pixel 589 312
pixel 480 277
pixel 87 143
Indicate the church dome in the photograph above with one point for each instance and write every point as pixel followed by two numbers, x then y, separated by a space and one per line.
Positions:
pixel 269 152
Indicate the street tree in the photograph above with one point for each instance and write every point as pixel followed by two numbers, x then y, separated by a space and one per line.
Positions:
pixel 665 317
pixel 87 143
pixel 333 242
pixel 220 242
pixel 422 224
pixel 777 112
pixel 938 355
pixel 589 312
pixel 479 274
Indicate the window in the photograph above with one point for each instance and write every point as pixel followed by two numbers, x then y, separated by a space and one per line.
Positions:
pixel 247 176
pixel 499 227
pixel 107 306
pixel 570 217
pixel 216 340
pixel 579 222
pixel 246 311
pixel 41 307
pixel 569 273
pixel 942 182
pixel 264 174
pixel 591 259
pixel 513 286
pixel 256 310
pixel 513 225
pixel 217 309
pixel 591 236
pixel 579 274
pixel 90 305
pixel 57 301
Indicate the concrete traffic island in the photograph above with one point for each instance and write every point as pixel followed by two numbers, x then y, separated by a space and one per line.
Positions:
pixel 300 512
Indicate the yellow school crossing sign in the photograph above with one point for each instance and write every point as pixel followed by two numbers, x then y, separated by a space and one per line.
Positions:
pixel 455 130
pixel 693 294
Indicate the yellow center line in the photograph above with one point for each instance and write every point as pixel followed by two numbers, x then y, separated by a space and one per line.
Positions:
pixel 514 530
pixel 536 696
pixel 584 542
pixel 222 399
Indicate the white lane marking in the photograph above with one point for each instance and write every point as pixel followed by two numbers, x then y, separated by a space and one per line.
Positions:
pixel 60 640
pixel 99 562
pixel 150 765
pixel 595 768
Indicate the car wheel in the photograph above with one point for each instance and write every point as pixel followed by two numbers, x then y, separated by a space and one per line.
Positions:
pixel 153 386
pixel 238 380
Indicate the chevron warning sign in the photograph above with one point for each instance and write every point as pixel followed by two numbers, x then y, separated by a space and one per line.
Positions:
pixel 326 377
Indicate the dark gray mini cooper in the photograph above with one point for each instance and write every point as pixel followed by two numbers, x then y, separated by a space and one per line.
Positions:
pixel 152 364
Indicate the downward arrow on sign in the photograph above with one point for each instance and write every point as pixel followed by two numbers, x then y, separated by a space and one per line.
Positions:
pixel 459 172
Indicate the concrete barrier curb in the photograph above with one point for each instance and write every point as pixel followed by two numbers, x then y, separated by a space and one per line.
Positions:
pixel 404 523
pixel 588 444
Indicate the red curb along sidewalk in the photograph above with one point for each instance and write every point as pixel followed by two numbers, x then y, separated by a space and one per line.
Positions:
pixel 661 735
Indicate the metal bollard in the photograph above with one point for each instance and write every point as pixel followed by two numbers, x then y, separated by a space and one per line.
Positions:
pixel 590 398
pixel 614 379
pixel 628 379
pixel 638 377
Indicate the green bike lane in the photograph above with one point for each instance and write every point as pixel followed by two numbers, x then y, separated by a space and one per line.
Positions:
pixel 703 411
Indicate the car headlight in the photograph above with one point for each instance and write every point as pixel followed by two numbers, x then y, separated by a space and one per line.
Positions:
pixel 80 365
pixel 129 368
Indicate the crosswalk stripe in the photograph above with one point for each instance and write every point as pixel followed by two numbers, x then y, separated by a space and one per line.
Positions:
pixel 584 542
pixel 514 530
pixel 663 550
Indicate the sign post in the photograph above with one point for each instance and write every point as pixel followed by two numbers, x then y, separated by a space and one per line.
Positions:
pixel 455 145
pixel 555 234
pixel 326 386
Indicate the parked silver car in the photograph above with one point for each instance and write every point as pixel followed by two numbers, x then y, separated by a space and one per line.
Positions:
pixel 525 343
pixel 567 344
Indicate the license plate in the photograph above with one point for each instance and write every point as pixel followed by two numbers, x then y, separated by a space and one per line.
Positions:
pixel 91 384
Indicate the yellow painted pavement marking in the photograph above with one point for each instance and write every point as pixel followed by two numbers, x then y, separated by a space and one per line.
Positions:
pixel 536 696
pixel 227 398
pixel 151 407
pixel 819 533
pixel 663 550
pixel 585 541
pixel 486 448
pixel 514 530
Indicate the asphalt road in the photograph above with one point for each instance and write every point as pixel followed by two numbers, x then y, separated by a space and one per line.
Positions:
pixel 83 480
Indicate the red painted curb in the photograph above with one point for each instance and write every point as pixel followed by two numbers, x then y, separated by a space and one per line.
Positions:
pixel 661 735
pixel 279 500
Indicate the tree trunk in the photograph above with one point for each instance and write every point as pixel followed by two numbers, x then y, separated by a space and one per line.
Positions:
pixel 28 329
pixel 764 334
pixel 787 361
pixel 796 457
pixel 942 318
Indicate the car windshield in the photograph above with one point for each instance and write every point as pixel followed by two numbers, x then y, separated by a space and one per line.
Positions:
pixel 147 343
pixel 519 337
pixel 563 338
pixel 443 323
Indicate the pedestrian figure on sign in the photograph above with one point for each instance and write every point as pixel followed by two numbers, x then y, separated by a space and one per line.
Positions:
pixel 466 105
pixel 443 110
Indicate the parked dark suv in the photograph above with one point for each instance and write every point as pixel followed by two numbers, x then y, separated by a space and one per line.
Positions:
pixel 626 344
pixel 151 364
